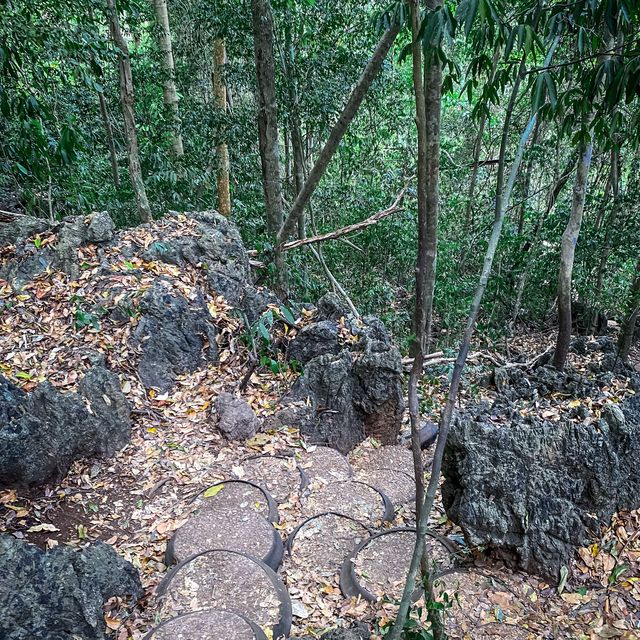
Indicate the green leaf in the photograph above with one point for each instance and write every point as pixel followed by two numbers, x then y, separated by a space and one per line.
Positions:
pixel 617 572
pixel 287 314
pixel 564 574
pixel 23 375
pixel 213 491
pixel 263 331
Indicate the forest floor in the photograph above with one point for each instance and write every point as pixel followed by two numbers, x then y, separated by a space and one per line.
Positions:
pixel 136 500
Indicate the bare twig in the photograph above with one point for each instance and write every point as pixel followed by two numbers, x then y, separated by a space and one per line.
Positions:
pixel 363 224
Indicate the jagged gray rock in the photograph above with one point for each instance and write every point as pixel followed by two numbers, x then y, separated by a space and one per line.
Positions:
pixel 536 490
pixel 215 245
pixel 59 594
pixel 176 336
pixel 351 385
pixel 43 432
pixel 236 418
pixel 72 233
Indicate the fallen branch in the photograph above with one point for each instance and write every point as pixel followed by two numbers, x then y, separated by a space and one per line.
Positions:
pixel 363 224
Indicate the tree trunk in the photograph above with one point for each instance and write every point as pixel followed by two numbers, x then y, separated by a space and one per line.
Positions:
pixel 338 131
pixel 110 144
pixel 294 122
pixel 169 85
pixel 267 112
pixel 553 196
pixel 567 256
pixel 419 321
pixel 628 330
pixel 126 97
pixel 502 199
pixel 613 185
pixel 220 102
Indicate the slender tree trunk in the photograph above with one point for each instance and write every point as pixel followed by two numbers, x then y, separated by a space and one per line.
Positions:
pixel 419 320
pixel 294 122
pixel 220 103
pixel 553 196
pixel 526 182
pixel 169 85
pixel 567 256
pixel 433 100
pixel 503 195
pixel 477 150
pixel 628 330
pixel 338 131
pixel 110 144
pixel 126 97
pixel 613 185
pixel 267 112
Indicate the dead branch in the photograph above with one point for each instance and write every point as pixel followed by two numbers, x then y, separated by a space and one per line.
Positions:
pixel 363 224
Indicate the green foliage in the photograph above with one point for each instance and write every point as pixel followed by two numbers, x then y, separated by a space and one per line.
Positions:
pixel 56 57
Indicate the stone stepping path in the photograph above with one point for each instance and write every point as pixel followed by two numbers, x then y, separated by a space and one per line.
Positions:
pixel 243 494
pixel 378 566
pixel 351 498
pixel 319 545
pixel 210 624
pixel 230 528
pixel 325 464
pixel 222 579
pixel 398 486
pixel 281 476
pixel 335 519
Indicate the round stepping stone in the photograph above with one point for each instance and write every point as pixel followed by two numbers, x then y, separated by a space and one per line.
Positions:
pixel 479 599
pixel 242 494
pixel 391 456
pixel 378 566
pixel 280 475
pixel 400 487
pixel 229 580
pixel 227 526
pixel 325 464
pixel 319 545
pixel 351 498
pixel 210 624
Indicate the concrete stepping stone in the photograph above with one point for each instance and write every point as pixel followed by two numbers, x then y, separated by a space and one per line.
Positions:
pixel 398 486
pixel 479 598
pixel 378 566
pixel 229 580
pixel 325 464
pixel 210 624
pixel 244 494
pixel 318 546
pixel 279 475
pixel 351 498
pixel 391 456
pixel 227 525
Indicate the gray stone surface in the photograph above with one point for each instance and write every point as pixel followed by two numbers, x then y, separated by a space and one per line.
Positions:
pixel 535 490
pixel 350 388
pixel 216 246
pixel 236 418
pixel 101 227
pixel 59 594
pixel 43 432
pixel 176 336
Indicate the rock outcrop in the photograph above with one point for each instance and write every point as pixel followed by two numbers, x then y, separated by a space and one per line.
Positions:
pixel 175 335
pixel 236 418
pixel 351 385
pixel 59 594
pixel 535 490
pixel 43 432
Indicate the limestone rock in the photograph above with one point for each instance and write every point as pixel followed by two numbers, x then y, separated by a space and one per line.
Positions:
pixel 236 418
pixel 529 491
pixel 59 594
pixel 43 432
pixel 176 336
